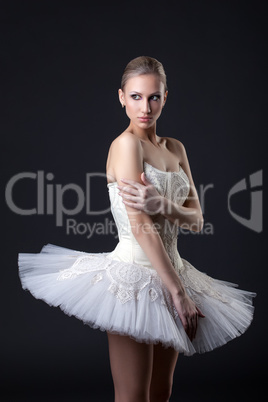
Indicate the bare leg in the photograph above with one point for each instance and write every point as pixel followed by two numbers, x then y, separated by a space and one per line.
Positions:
pixel 164 363
pixel 131 365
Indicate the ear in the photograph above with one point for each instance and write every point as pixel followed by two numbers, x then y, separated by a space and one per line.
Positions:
pixel 121 97
pixel 165 98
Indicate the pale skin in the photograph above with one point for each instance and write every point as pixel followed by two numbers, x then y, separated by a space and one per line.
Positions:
pixel 144 372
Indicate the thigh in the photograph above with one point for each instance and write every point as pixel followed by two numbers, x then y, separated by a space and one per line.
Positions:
pixel 131 366
pixel 164 363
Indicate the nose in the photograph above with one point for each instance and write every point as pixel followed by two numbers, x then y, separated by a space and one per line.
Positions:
pixel 146 106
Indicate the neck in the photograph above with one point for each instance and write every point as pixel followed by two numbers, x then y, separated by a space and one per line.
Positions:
pixel 146 135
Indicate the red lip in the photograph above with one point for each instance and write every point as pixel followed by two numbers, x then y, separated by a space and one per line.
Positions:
pixel 145 118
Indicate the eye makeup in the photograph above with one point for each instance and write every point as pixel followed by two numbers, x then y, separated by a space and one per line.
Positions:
pixel 137 96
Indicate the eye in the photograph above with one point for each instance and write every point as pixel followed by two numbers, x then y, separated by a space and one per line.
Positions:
pixel 135 97
pixel 155 97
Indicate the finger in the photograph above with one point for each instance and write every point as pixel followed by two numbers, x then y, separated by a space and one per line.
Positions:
pixel 200 314
pixel 144 179
pixel 128 197
pixel 131 182
pixel 132 204
pixel 190 328
pixel 196 323
pixel 128 189
pixel 188 332
pixel 136 201
pixel 184 322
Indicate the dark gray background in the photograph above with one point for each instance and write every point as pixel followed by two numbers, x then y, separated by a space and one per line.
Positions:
pixel 61 69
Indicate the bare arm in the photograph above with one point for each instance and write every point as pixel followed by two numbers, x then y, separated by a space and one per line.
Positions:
pixel 129 164
pixel 185 217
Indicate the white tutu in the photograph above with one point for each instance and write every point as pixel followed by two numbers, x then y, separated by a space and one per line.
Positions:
pixel 120 292
pixel 98 290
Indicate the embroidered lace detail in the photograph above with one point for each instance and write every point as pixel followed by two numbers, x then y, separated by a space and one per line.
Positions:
pixel 127 275
pixel 153 294
pixel 175 186
pixel 83 264
pixel 127 281
pixel 158 180
pixel 199 282
pixel 96 278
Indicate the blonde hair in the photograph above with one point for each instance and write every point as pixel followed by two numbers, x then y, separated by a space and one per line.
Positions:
pixel 143 65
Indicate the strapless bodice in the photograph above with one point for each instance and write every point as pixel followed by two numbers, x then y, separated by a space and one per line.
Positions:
pixel 173 185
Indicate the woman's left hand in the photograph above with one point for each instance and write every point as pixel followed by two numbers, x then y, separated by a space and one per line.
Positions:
pixel 144 197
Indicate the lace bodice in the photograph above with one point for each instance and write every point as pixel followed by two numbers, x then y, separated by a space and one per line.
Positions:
pixel 173 185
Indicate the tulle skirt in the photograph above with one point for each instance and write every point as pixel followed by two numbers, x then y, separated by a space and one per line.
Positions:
pixel 130 299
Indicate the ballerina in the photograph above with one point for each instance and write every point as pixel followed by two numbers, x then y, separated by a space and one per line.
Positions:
pixel 152 303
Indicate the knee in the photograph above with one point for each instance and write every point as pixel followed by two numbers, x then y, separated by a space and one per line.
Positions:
pixel 161 394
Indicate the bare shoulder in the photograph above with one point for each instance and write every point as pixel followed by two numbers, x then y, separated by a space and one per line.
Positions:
pixel 175 146
pixel 125 142
pixel 125 139
pixel 175 142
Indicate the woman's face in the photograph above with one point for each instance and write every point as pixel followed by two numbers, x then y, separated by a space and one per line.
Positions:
pixel 144 97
